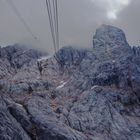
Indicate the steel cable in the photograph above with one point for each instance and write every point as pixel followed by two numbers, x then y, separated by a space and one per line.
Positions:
pixel 11 3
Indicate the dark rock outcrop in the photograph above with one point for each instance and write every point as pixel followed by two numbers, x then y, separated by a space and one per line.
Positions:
pixel 10 128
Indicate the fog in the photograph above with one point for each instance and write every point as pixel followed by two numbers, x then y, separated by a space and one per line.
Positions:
pixel 78 20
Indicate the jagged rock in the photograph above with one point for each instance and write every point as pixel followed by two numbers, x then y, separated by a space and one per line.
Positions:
pixel 110 43
pixel 84 94
pixel 97 114
pixel 49 127
pixel 10 128
pixel 19 56
pixel 20 114
pixel 109 36
pixel 70 56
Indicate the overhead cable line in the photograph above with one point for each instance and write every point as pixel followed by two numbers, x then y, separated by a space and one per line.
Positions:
pixel 11 3
pixel 51 22
pixel 55 5
pixel 52 9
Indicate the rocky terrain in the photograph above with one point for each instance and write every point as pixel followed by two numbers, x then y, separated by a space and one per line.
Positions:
pixel 87 94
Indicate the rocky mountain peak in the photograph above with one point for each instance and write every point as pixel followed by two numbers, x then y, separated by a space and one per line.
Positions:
pixel 90 95
pixel 107 35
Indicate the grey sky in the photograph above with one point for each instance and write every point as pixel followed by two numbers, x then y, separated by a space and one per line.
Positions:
pixel 78 21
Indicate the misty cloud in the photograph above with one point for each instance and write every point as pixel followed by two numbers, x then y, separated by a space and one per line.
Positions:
pixel 113 7
pixel 78 21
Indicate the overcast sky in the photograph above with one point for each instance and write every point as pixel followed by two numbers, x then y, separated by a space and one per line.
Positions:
pixel 78 21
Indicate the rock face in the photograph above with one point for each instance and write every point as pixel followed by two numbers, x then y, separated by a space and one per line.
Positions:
pixel 109 36
pixel 84 94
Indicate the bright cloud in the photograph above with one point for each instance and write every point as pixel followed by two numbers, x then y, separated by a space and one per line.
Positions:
pixel 113 7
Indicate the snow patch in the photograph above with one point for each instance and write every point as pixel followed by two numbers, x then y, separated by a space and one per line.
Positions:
pixel 44 58
pixel 62 85
pixel 94 86
pixel 61 82
pixel 113 61
pixel 19 104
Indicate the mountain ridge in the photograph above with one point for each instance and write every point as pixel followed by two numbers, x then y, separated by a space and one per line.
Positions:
pixel 91 95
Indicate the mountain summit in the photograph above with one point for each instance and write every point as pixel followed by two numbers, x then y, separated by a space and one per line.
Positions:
pixel 107 35
pixel 91 94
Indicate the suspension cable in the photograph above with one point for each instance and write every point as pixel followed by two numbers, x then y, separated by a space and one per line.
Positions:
pixel 57 24
pixel 55 7
pixel 52 9
pixel 11 3
pixel 49 10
